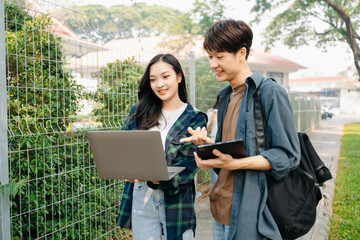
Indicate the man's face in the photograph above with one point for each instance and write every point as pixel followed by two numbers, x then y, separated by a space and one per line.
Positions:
pixel 226 65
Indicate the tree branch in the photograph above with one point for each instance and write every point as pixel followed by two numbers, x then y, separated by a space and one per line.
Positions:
pixel 321 34
pixel 351 34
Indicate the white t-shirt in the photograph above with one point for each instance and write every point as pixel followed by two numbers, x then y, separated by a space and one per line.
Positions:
pixel 214 126
pixel 167 119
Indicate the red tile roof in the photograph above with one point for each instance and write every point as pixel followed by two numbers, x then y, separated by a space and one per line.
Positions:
pixel 317 79
pixel 266 58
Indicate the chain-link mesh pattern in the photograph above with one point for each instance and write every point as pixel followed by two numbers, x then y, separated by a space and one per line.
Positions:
pixel 58 87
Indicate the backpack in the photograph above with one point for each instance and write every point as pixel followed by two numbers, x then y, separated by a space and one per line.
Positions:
pixel 292 200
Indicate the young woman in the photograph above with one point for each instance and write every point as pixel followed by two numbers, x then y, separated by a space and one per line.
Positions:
pixel 153 208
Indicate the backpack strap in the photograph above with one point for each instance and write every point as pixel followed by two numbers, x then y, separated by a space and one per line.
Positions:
pixel 260 124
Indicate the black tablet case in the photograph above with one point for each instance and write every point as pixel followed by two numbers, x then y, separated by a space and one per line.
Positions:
pixel 235 148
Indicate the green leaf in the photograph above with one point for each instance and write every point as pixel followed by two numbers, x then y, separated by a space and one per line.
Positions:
pixel 10 189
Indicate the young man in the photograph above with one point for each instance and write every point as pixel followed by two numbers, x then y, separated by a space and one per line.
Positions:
pixel 238 199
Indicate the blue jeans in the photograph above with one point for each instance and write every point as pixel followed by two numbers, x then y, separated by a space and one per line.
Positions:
pixel 219 231
pixel 148 214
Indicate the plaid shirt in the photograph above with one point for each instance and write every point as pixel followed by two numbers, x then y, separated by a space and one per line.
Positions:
pixel 179 192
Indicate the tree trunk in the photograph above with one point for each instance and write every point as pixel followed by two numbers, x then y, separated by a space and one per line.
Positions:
pixel 350 33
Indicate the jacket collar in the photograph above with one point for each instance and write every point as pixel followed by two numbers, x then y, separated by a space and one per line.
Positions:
pixel 184 119
pixel 256 78
pixel 182 122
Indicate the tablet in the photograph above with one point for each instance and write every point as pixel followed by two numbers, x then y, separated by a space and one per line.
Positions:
pixel 236 148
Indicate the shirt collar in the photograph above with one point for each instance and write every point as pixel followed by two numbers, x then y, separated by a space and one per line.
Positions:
pixel 256 78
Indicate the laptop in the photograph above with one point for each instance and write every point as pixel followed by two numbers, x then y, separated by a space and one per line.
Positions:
pixel 135 154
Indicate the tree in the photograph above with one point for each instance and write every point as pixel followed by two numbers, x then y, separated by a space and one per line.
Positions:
pixel 205 13
pixel 297 23
pixel 117 92
pixel 102 24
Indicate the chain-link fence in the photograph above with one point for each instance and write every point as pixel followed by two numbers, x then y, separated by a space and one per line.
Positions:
pixel 53 99
pixel 307 110
pixel 54 86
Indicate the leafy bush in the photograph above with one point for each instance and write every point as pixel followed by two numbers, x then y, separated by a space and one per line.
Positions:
pixel 117 92
pixel 60 195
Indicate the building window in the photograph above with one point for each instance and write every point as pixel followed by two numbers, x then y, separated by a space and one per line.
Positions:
pixel 278 76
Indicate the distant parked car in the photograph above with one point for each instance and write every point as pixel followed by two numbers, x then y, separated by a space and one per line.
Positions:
pixel 326 114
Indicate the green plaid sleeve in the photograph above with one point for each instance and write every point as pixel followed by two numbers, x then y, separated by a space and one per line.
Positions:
pixel 181 154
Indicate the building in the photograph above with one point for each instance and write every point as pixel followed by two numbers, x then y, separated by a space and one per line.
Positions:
pixel 336 91
pixel 273 66
pixel 143 49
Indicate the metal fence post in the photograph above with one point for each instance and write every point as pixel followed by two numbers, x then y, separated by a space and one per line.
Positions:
pixel 192 89
pixel 192 94
pixel 4 167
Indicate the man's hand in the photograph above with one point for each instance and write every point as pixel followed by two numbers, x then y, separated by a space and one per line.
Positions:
pixel 224 161
pixel 198 136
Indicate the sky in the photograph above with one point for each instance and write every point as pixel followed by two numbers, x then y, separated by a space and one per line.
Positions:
pixel 318 63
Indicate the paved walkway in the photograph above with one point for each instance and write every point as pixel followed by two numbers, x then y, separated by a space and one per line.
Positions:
pixel 326 140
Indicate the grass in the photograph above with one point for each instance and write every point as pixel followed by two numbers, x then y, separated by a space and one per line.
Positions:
pixel 345 220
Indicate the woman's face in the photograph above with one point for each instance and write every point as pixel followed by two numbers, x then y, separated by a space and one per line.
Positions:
pixel 164 82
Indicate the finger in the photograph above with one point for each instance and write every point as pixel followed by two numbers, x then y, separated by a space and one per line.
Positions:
pixel 197 134
pixel 188 139
pixel 191 131
pixel 197 160
pixel 200 162
pixel 203 134
pixel 218 153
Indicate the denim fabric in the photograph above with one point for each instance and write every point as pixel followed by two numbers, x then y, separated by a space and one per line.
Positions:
pixel 219 231
pixel 250 217
pixel 180 191
pixel 148 214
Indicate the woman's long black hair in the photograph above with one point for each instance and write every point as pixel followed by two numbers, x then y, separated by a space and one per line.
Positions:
pixel 148 110
pixel 216 102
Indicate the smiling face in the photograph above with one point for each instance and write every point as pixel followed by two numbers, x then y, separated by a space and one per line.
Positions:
pixel 165 82
pixel 226 65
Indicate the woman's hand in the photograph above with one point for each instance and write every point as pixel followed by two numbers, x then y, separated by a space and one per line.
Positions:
pixel 133 180
pixel 137 180
pixel 198 136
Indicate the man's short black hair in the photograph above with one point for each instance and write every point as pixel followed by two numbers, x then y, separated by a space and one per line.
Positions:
pixel 228 36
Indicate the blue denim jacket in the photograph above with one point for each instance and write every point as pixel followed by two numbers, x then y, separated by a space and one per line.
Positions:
pixel 250 217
